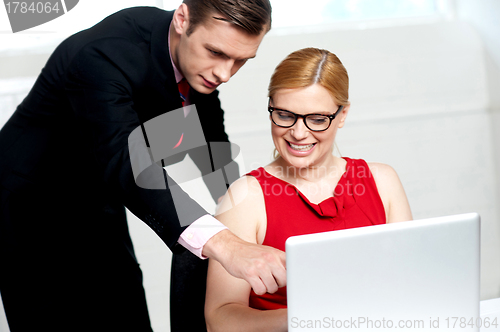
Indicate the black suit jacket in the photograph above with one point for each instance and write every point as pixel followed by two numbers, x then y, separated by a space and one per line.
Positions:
pixel 65 173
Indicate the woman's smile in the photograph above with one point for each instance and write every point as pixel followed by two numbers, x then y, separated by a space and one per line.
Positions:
pixel 301 149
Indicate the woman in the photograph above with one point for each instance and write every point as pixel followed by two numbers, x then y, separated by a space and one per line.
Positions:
pixel 306 189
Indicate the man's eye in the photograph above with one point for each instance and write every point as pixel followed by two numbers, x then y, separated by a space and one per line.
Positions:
pixel 215 53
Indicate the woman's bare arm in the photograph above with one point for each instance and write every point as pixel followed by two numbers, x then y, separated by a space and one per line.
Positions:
pixel 226 308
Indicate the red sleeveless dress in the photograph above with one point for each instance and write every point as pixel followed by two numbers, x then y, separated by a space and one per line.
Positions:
pixel 355 203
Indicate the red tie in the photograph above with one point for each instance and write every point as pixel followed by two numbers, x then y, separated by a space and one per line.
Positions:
pixel 183 86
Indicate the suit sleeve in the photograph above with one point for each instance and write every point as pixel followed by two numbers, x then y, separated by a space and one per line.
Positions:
pixel 100 84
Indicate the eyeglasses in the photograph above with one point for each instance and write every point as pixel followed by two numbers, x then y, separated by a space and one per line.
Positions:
pixel 313 122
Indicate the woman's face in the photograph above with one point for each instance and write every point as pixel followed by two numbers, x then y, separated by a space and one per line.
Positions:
pixel 297 145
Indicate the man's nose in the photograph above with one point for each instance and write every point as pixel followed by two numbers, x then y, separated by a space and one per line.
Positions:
pixel 223 70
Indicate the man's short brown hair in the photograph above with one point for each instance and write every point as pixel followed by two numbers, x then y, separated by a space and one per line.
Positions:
pixel 252 16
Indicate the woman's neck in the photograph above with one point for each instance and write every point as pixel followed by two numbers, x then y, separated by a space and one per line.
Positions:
pixel 332 168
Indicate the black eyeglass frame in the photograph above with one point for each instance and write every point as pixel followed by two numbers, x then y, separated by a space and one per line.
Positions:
pixel 271 109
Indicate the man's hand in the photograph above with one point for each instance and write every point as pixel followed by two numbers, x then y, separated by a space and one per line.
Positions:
pixel 263 267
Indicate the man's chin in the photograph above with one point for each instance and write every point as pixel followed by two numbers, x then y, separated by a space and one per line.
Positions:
pixel 203 89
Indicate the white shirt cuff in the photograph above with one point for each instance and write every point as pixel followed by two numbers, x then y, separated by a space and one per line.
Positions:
pixel 199 232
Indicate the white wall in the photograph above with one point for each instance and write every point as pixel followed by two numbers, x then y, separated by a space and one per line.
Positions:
pixel 423 100
pixel 484 17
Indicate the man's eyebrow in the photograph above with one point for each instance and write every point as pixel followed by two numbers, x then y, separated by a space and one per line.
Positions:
pixel 216 49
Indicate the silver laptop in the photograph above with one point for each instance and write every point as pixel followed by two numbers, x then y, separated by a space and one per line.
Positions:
pixel 420 275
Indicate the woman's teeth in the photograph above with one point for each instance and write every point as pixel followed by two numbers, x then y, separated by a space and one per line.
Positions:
pixel 301 147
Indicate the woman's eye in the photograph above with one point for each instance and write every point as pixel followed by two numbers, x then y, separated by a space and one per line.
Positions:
pixel 317 119
pixel 285 115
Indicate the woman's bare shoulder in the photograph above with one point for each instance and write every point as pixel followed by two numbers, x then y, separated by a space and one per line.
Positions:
pixel 242 209
pixel 383 173
pixel 391 192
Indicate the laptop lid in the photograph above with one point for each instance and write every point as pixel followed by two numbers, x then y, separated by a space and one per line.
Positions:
pixel 417 275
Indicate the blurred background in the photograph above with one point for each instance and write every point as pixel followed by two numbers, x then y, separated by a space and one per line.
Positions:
pixel 424 88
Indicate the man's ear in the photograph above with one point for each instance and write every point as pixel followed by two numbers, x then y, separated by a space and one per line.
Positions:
pixel 343 115
pixel 181 19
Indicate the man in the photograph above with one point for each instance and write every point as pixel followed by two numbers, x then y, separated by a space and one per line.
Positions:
pixel 65 170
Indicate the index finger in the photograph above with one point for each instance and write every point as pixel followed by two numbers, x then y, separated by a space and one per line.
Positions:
pixel 279 272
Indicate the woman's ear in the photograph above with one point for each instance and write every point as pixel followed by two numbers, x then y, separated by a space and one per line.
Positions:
pixel 343 115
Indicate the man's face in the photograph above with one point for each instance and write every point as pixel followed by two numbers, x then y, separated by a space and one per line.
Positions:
pixel 213 53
